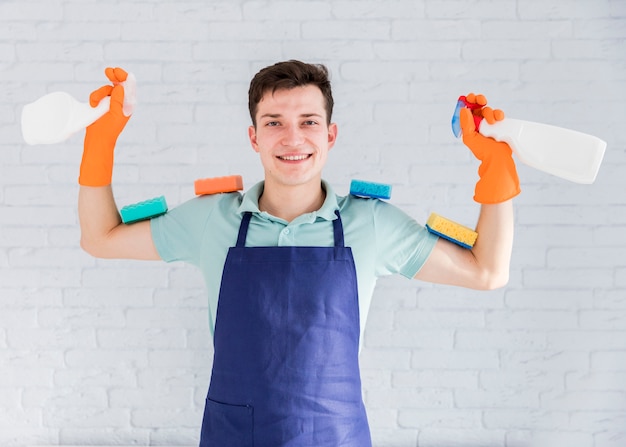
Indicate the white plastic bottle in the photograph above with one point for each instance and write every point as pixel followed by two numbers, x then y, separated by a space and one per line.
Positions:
pixel 54 117
pixel 565 153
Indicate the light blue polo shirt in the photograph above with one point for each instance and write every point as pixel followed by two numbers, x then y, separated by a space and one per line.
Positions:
pixel 384 239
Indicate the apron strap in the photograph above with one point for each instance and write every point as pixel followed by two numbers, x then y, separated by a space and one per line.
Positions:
pixel 243 229
pixel 338 230
pixel 245 223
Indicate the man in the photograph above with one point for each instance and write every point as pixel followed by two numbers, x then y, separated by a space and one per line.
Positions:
pixel 290 267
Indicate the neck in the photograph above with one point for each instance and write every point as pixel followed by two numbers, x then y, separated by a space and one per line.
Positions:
pixel 290 202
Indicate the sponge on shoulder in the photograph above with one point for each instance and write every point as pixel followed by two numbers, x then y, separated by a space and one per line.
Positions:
pixel 452 231
pixel 370 189
pixel 143 210
pixel 217 185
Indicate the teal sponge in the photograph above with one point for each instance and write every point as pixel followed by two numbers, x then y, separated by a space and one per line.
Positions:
pixel 370 189
pixel 143 210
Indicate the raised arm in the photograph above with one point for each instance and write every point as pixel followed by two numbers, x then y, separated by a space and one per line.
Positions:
pixel 486 265
pixel 102 232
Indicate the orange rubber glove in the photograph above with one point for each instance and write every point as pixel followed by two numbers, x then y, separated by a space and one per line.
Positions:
pixel 96 168
pixel 498 177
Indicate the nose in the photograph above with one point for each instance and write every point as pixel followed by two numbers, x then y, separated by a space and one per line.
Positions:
pixel 292 136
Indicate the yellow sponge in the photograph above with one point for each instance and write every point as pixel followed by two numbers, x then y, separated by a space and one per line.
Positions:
pixel 452 231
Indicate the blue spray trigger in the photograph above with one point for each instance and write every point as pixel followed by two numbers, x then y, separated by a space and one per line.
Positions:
pixel 456 119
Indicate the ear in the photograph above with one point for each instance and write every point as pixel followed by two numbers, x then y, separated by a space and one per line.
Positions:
pixel 252 137
pixel 332 135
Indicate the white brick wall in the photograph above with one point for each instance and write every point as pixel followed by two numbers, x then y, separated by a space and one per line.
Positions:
pixel 110 352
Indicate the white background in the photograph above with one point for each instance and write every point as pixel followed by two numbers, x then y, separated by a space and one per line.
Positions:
pixel 118 352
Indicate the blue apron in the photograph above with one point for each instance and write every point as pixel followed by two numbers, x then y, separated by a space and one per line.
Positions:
pixel 285 368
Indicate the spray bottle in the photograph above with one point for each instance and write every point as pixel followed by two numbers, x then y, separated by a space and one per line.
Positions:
pixel 565 153
pixel 54 117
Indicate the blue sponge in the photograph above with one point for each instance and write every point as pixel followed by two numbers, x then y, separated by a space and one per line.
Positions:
pixel 370 189
pixel 144 210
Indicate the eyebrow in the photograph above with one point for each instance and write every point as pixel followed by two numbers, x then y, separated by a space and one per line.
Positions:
pixel 278 115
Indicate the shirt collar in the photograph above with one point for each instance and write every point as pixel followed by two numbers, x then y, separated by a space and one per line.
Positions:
pixel 250 202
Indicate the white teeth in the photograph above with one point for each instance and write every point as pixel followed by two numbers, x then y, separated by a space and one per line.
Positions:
pixel 294 157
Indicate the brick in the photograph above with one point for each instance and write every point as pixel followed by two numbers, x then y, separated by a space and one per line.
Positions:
pixel 140 338
pixel 107 297
pixel 123 12
pixel 435 379
pixel 519 380
pixel 437 50
pixel 84 417
pixel 36 52
pixel 563 279
pixel 346 29
pixel 588 340
pixel 496 398
pixel 435 30
pixel 526 419
pixel 377 9
pixel 95 377
pixel 550 437
pixel 545 361
pixel 84 434
pixel 41 397
pixel 595 381
pixel 35 11
pixel 603 320
pixel 135 277
pixel 166 418
pixel 549 300
pixel 458 437
pixel 510 339
pixel 410 398
pixel 608 361
pixel 506 50
pixel 407 319
pixel 455 360
pixel 529 320
pixel 424 419
pixel 610 299
pixel 405 338
pixel 584 400
pixel 191 11
pixel 459 9
pixel 599 420
pixel 101 358
pixel 149 398
pixel 50 339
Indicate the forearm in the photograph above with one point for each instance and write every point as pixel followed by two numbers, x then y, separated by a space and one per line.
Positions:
pixel 492 250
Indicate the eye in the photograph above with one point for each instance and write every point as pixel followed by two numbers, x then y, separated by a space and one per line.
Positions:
pixel 272 124
pixel 310 123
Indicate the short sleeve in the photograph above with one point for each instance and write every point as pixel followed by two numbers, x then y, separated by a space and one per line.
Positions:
pixel 178 234
pixel 402 244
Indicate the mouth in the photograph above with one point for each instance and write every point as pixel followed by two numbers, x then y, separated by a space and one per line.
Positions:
pixel 294 157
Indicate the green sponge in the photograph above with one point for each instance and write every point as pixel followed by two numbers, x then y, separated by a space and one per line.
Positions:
pixel 144 210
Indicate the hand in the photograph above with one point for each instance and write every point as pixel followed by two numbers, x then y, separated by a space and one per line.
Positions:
pixel 96 168
pixel 498 177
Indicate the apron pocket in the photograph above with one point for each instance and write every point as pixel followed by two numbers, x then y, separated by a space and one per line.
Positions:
pixel 227 425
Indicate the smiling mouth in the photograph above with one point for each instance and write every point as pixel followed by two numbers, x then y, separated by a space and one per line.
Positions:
pixel 294 157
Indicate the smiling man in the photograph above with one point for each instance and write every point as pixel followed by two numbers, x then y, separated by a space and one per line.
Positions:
pixel 290 266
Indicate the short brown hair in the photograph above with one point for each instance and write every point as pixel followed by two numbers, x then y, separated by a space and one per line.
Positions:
pixel 287 75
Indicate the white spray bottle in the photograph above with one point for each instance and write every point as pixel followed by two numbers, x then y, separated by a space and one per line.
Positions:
pixel 53 118
pixel 565 153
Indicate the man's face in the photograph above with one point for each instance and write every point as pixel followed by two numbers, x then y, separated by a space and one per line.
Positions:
pixel 292 136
